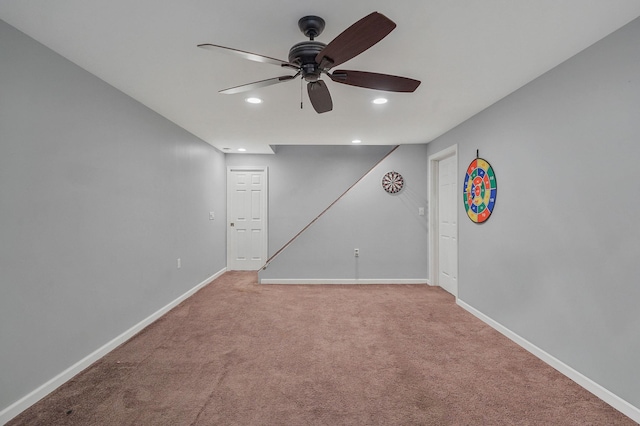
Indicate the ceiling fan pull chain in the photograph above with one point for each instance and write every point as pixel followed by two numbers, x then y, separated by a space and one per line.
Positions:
pixel 301 93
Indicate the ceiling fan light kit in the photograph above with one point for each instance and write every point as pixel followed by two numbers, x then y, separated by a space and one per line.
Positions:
pixel 311 59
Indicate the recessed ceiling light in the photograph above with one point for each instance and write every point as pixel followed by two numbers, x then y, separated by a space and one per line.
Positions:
pixel 356 141
pixel 380 101
pixel 254 100
pixel 241 150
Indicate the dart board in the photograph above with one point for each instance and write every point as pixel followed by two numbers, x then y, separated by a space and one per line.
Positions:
pixel 392 182
pixel 479 190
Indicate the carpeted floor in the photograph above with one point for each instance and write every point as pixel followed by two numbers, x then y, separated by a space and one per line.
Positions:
pixel 240 353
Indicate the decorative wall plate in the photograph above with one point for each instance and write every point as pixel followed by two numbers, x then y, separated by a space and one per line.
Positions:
pixel 392 182
pixel 479 190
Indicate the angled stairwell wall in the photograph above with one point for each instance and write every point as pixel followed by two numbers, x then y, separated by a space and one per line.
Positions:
pixel 387 229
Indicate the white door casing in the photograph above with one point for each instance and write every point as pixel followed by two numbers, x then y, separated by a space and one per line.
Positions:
pixel 247 218
pixel 443 220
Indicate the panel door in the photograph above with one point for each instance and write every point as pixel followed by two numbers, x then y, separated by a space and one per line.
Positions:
pixel 247 219
pixel 447 225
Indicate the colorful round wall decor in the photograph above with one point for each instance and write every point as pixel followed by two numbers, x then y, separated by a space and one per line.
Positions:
pixel 392 182
pixel 479 190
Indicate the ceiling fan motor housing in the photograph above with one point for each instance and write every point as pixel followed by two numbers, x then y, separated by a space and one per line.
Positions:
pixel 304 55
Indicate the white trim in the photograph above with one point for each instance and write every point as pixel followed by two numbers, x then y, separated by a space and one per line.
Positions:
pixel 343 281
pixel 604 394
pixel 433 209
pixel 36 395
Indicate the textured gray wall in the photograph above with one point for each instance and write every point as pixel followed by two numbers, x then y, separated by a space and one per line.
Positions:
pixel 557 262
pixel 99 196
pixel 391 236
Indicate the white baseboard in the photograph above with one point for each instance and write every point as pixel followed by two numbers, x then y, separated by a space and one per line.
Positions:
pixel 343 281
pixel 604 394
pixel 36 395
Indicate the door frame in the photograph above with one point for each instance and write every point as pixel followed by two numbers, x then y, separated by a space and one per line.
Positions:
pixel 265 204
pixel 434 264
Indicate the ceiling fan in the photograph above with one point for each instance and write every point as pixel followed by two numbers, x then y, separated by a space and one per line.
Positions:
pixel 312 58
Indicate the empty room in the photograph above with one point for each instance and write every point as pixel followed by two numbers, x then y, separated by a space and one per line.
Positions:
pixel 290 212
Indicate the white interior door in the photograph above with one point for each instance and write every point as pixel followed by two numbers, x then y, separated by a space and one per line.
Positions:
pixel 447 225
pixel 247 218
pixel 444 220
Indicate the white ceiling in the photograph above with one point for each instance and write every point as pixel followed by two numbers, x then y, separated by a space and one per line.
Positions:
pixel 467 53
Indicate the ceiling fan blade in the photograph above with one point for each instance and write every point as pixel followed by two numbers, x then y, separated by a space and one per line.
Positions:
pixel 248 55
pixel 372 80
pixel 355 40
pixel 319 96
pixel 258 84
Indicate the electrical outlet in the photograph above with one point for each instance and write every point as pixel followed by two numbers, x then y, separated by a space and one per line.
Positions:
pixel 356 252
pixel 179 263
pixel 212 215
pixel 420 211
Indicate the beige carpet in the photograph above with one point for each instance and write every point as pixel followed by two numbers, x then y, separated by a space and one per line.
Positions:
pixel 238 353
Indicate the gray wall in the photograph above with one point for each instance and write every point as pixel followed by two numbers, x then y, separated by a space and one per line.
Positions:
pixel 99 196
pixel 557 262
pixel 304 180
